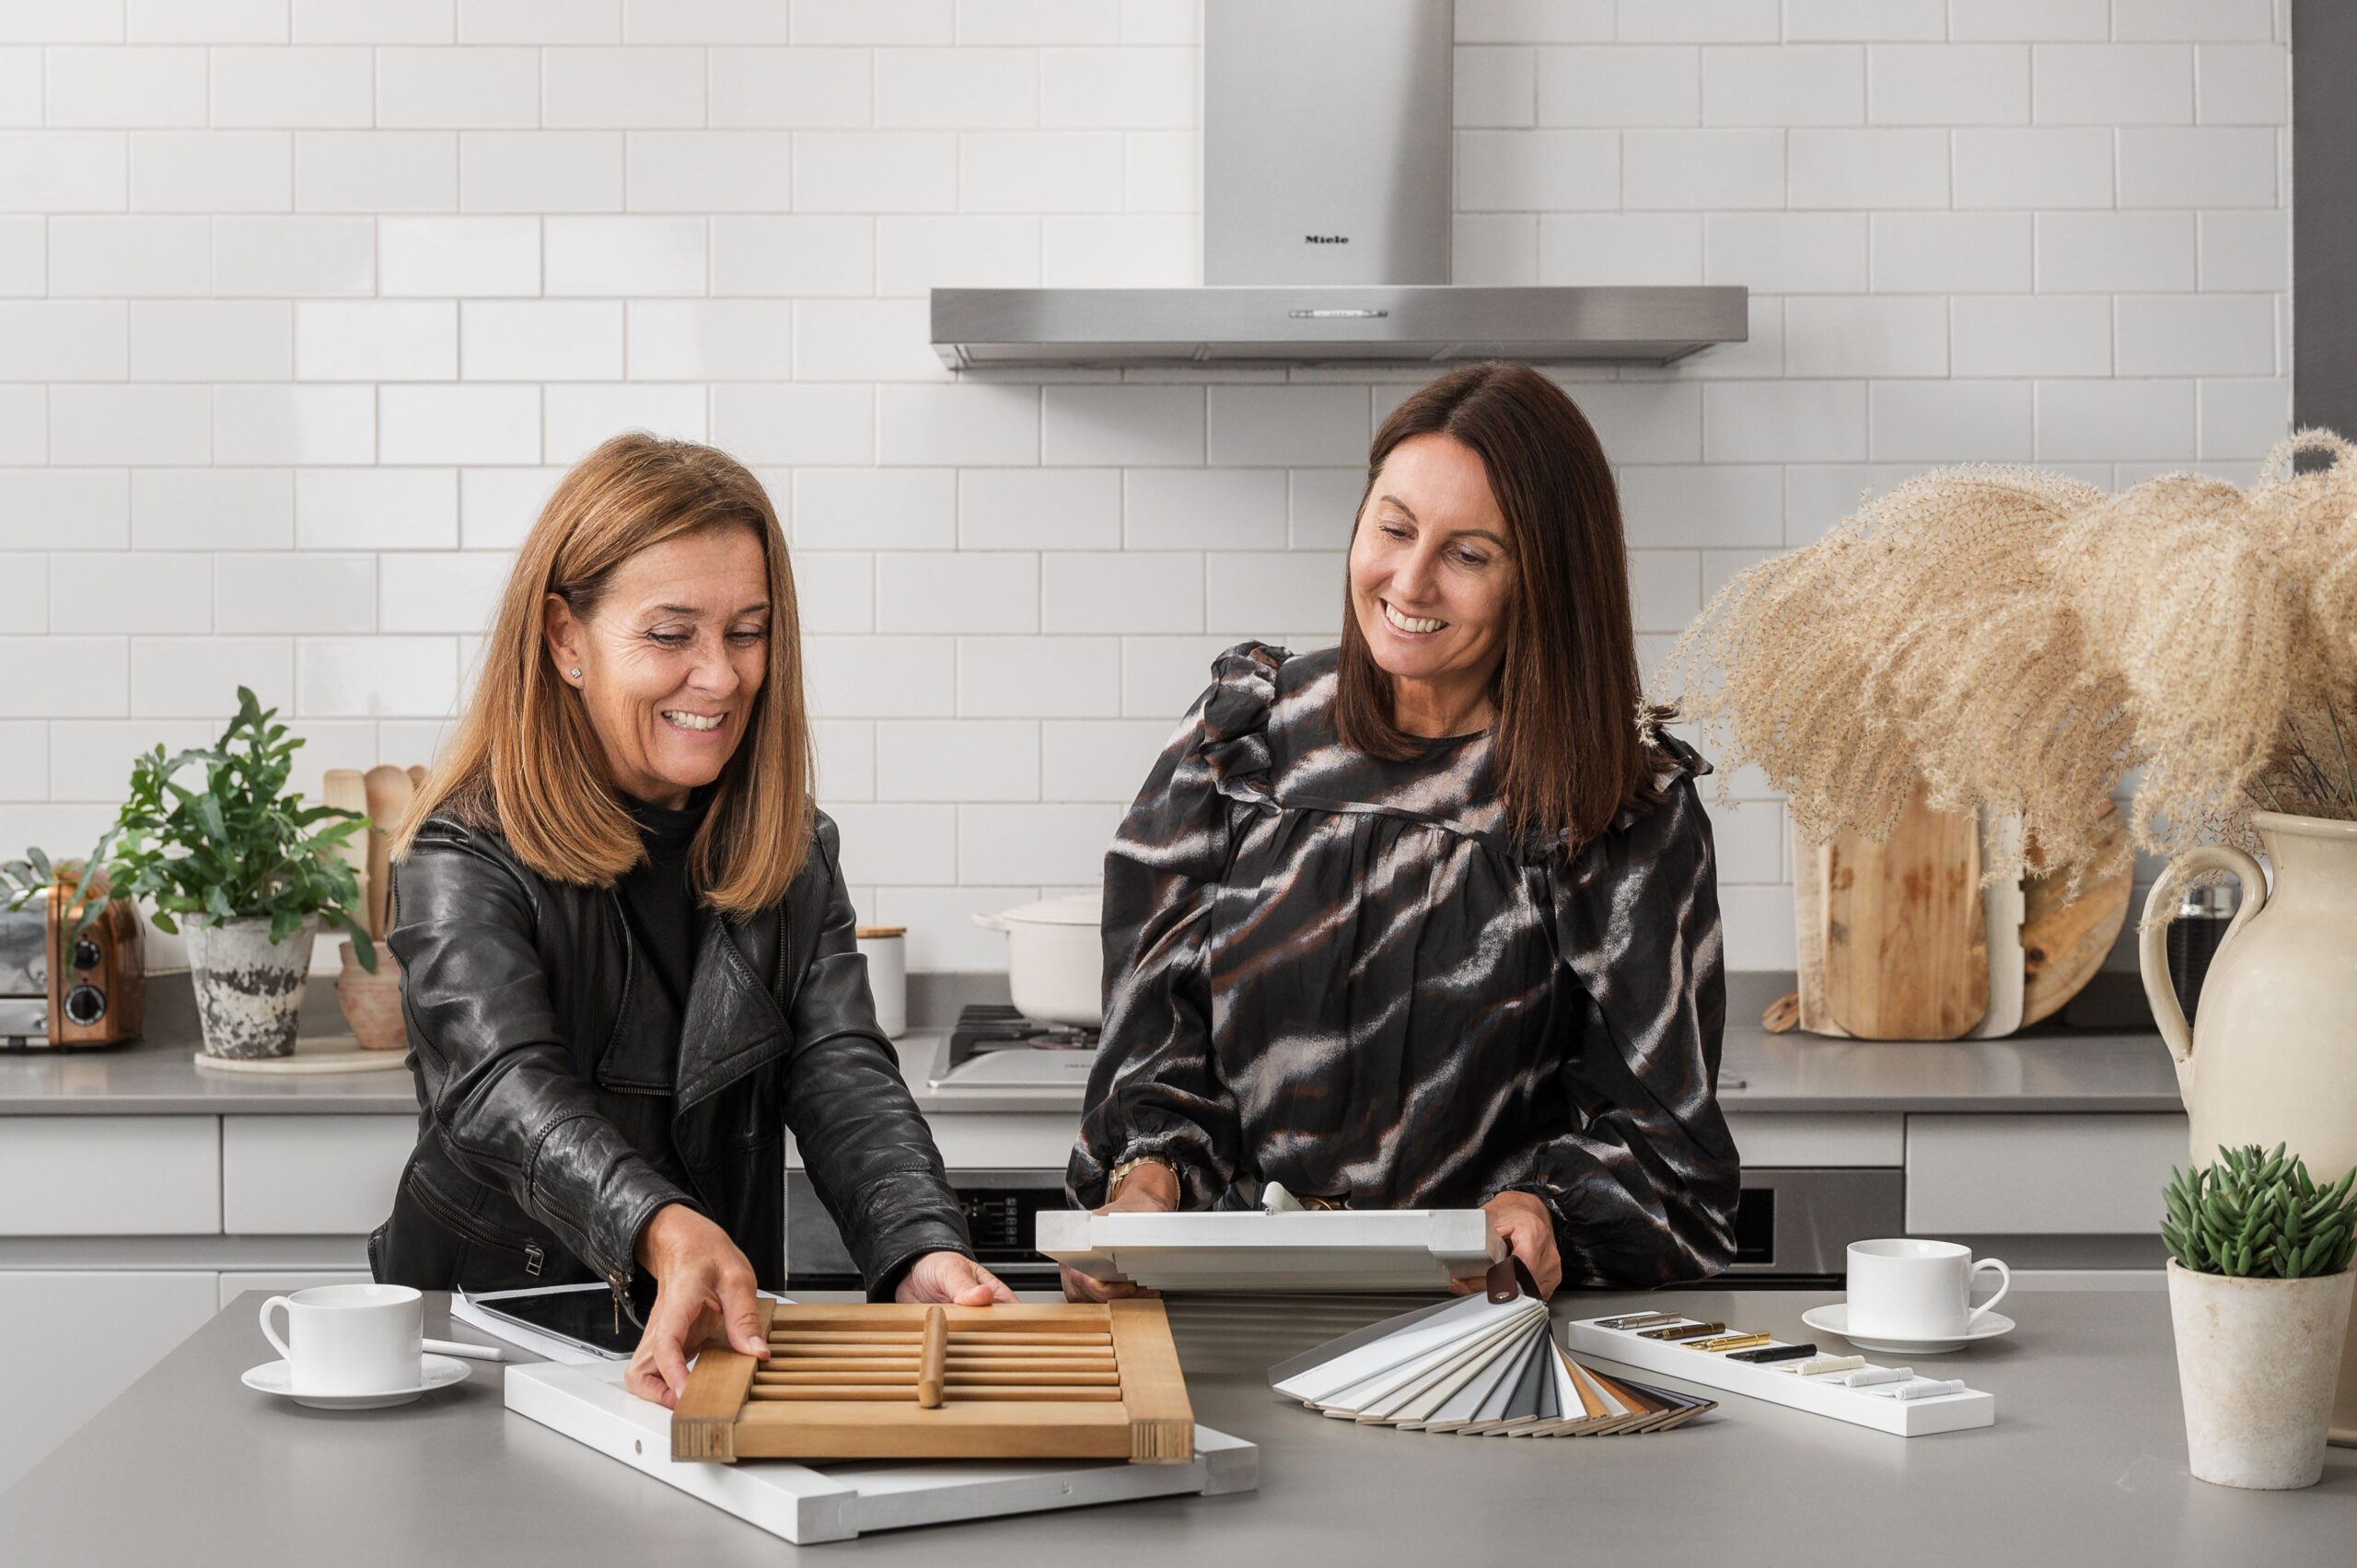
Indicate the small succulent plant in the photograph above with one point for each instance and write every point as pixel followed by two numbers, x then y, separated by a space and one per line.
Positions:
pixel 2258 1215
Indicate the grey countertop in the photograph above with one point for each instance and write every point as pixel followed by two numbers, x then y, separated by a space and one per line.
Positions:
pixel 2086 1464
pixel 2048 1071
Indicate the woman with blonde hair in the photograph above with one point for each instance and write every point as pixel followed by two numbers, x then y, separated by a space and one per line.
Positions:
pixel 626 947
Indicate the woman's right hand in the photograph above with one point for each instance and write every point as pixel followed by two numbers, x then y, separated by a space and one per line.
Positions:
pixel 703 1282
pixel 1148 1188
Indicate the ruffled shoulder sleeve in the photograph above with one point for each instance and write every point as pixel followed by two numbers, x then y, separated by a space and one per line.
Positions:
pixel 1231 719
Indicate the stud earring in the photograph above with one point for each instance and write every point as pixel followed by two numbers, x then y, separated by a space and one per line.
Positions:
pixel 574 672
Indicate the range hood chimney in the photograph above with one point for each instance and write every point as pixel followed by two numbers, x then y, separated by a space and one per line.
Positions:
pixel 1326 209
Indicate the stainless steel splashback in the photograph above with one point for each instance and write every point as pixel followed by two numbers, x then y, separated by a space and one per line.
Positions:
pixel 1327 141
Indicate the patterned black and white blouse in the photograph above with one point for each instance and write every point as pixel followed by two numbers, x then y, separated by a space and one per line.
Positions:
pixel 1346 975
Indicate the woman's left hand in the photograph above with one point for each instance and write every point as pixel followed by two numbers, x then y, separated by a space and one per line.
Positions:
pixel 1528 1231
pixel 954 1279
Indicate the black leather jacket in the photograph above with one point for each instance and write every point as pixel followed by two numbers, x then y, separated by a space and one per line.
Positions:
pixel 549 1067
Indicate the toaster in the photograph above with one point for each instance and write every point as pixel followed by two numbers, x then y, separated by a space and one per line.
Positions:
pixel 96 995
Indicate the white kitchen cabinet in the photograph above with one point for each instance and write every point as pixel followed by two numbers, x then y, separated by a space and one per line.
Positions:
pixel 1819 1141
pixel 2040 1175
pixel 79 1339
pixel 311 1175
pixel 109 1175
pixel 283 1282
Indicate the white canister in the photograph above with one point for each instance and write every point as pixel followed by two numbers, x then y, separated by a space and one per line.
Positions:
pixel 886 948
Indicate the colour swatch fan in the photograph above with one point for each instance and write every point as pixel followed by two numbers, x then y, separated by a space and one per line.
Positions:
pixel 1475 1367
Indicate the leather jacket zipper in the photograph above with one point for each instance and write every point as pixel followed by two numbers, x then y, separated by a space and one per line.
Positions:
pixel 535 1258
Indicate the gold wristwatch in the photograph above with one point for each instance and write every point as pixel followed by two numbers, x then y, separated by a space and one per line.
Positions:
pixel 1113 1181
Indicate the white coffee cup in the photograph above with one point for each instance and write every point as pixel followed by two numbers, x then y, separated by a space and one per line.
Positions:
pixel 1906 1289
pixel 350 1339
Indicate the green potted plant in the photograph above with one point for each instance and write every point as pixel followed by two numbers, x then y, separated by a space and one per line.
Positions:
pixel 2259 1288
pixel 250 868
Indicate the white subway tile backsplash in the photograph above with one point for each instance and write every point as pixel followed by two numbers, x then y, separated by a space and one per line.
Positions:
pixel 2033 335
pixel 459 89
pixel 835 591
pixel 882 677
pixel 1795 422
pixel 958 760
pixel 1534 22
pixel 861 21
pixel 379 21
pixel 875 509
pixel 376 340
pixel 1865 336
pixel 198 676
pixel 2241 419
pixel 892 171
pixel 2114 83
pixel 1129 88
pixel 540 340
pixel 34 669
pixel 578 415
pixel 702 172
pixel 20 90
pixel 2196 334
pixel 2242 84
pixel 956 89
pixel 1132 424
pixel 288 594
pixel 1951 253
pixel 766 423
pixel 1038 509
pixel 383 508
pixel 1084 592
pixel 1037 172
pixel 2115 252
pixel 1495 86
pixel 1785 84
pixel 121 88
pixel 418 591
pixel 98 425
pixel 278 256
pixel 1052 843
pixel 498 506
pixel 1163 676
pixel 2200 19
pixel 1204 508
pixel 537 171
pixel 212 171
pixel 146 591
pixel 1786 252
pixel 280 88
pixel 1262 592
pixel 113 257
pixel 622 89
pixel 845 753
pixel 1926 83
pixel 2247 251
pixel 2225 166
pixel 25 426
pixel 940 920
pixel 776 256
pixel 24 266
pixel 1037 677
pixel 457 425
pixel 1128 251
pixel 913 255
pixel 226 509
pixel 982 592
pixel 62 508
pixel 211 341
pixel 791 90
pixel 1692 505
pixel 63 172
pixel 1877 168
pixel 2119 419
pixel 624 255
pixel 970 426
pixel 2040 167
pixel 2029 21
pixel 377 677
pixel 24 761
pixel 1100 759
pixel 855 340
pixel 1845 20
pixel 1700 21
pixel 1288 425
pixel 294 424
pixel 1952 422
pixel 1538 170
pixel 1498 249
pixel 894 846
pixel 381 171
pixel 57 340
pixel 1615 89
pixel 696 339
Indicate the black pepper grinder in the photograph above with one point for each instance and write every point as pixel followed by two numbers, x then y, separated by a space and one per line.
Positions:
pixel 2200 924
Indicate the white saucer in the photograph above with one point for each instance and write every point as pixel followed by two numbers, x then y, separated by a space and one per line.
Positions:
pixel 1835 1320
pixel 434 1372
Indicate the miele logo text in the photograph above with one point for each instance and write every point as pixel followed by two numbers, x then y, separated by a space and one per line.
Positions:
pixel 1325 240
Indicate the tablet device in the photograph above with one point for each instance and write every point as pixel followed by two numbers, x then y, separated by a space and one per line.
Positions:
pixel 581 1316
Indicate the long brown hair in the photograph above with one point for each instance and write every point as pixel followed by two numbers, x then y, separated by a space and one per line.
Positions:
pixel 1571 736
pixel 525 760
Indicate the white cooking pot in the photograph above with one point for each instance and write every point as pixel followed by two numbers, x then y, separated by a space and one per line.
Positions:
pixel 1055 958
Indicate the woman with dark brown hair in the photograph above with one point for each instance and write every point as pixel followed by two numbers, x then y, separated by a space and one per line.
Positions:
pixel 626 949
pixel 1431 919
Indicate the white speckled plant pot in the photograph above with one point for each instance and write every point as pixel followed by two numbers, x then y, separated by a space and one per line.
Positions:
pixel 248 988
pixel 2256 1361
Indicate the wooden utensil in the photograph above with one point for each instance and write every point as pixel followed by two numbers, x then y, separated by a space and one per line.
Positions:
pixel 417 774
pixel 344 789
pixel 2065 940
pixel 1906 940
pixel 389 797
pixel 1082 1380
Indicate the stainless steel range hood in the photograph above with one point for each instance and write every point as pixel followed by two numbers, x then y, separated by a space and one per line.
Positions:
pixel 1327 217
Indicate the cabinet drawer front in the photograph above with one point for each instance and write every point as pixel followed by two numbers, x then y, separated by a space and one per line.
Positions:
pixel 2040 1175
pixel 311 1175
pixel 109 1176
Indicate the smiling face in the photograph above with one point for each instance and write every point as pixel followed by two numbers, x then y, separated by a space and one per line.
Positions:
pixel 1431 573
pixel 671 658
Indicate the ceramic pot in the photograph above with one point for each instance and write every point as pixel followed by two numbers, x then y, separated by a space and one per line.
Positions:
pixel 372 1003
pixel 2271 1057
pixel 1055 958
pixel 2254 1361
pixel 248 988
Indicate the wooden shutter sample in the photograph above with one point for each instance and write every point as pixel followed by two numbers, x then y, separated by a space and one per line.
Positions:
pixel 874 1381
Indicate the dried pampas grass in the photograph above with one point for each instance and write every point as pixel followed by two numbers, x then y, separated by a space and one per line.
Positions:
pixel 2022 641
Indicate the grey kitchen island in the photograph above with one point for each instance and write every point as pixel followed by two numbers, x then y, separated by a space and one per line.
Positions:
pixel 2086 1465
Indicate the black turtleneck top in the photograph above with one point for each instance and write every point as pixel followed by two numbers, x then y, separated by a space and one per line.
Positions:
pixel 656 899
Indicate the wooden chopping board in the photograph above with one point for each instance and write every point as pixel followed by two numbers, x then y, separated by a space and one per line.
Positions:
pixel 1904 936
pixel 2065 941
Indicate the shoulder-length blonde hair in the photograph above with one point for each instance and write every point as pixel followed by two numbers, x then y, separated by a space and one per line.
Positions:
pixel 525 761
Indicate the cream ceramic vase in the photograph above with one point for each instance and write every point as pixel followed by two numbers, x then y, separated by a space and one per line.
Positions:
pixel 2272 1057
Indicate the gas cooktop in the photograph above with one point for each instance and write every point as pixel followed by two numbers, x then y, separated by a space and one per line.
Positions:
pixel 995 1046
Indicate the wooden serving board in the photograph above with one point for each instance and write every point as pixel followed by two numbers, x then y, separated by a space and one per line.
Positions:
pixel 1906 948
pixel 888 1381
